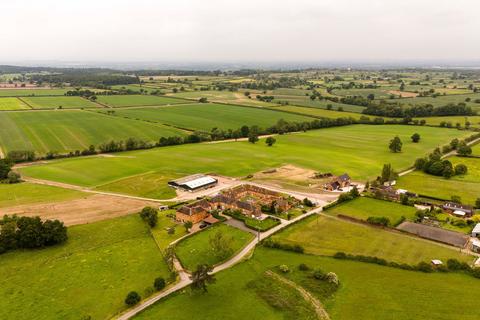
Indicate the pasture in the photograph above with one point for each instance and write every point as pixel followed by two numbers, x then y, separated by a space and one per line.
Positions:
pixel 196 249
pixel 322 113
pixel 363 287
pixel 321 235
pixel 453 120
pixel 136 100
pixel 360 150
pixel 237 97
pixel 206 116
pixel 88 277
pixel 32 92
pixel 466 186
pixel 12 104
pixel 70 130
pixel 363 208
pixel 28 193
pixel 60 102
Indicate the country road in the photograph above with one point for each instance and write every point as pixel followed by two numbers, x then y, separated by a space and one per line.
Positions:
pixel 185 280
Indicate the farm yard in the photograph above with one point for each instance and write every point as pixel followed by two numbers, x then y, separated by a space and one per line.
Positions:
pixel 66 131
pixel 360 150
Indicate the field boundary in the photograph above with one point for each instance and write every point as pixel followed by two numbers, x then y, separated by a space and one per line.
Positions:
pixel 26 103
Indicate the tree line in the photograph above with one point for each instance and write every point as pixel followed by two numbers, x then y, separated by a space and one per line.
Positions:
pixel 30 232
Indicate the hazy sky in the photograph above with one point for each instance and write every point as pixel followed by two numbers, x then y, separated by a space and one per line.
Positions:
pixel 243 30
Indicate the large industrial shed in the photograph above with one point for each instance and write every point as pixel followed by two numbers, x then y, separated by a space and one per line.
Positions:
pixel 194 182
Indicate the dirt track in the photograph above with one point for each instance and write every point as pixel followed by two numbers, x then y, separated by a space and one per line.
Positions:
pixel 80 211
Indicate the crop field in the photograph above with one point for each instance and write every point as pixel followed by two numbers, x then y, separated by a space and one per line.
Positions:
pixel 323 113
pixel 137 100
pixel 27 193
pixel 436 121
pixel 305 101
pixel 12 104
pixel 206 116
pixel 327 235
pixel 378 93
pixel 70 130
pixel 237 97
pixel 443 100
pixel 88 277
pixel 59 102
pixel 363 288
pixel 363 208
pixel 466 186
pixel 196 249
pixel 360 150
pixel 32 92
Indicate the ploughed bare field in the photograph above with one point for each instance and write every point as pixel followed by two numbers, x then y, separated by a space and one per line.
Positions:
pixel 80 211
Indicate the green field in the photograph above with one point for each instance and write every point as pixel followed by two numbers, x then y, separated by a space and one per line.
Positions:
pixel 443 100
pixel 360 150
pixel 196 249
pixel 305 101
pixel 71 130
pixel 32 92
pixel 328 235
pixel 363 208
pixel 28 193
pixel 57 102
pixel 323 113
pixel 206 116
pixel 467 186
pixel 87 277
pixel 435 121
pixel 136 100
pixel 380 93
pixel 12 104
pixel 367 292
pixel 237 97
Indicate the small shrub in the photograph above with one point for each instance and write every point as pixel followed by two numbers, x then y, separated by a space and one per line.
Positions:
pixel 303 267
pixel 159 283
pixel 424 267
pixel 284 268
pixel 332 278
pixel 319 274
pixel 132 298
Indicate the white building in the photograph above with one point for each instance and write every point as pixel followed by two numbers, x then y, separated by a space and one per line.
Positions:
pixel 476 245
pixel 476 231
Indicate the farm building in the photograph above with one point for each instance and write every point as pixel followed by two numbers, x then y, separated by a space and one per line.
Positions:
pixel 476 245
pixel 194 212
pixel 457 209
pixel 476 231
pixel 338 183
pixel 249 200
pixel 434 233
pixel 194 182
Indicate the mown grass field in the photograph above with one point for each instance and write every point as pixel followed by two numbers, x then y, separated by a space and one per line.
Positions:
pixel 12 104
pixel 28 193
pixel 71 130
pixel 136 100
pixel 364 287
pixel 360 150
pixel 206 116
pixel 60 101
pixel 318 112
pixel 196 249
pixel 436 121
pixel 88 277
pixel 237 97
pixel 363 208
pixel 466 186
pixel 32 92
pixel 443 100
pixel 305 101
pixel 328 235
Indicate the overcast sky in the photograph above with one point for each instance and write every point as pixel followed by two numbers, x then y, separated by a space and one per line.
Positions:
pixel 243 30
